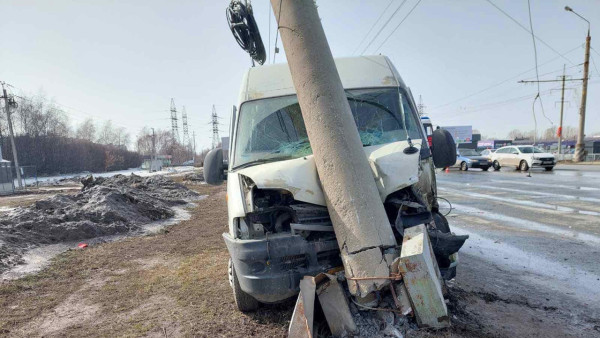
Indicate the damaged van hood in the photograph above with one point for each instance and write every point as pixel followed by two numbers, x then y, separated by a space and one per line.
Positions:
pixel 392 171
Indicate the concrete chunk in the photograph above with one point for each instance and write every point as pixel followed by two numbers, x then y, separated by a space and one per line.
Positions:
pixel 374 266
pixel 335 306
pixel 421 276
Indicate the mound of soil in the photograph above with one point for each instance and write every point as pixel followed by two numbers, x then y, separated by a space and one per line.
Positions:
pixel 197 176
pixel 105 206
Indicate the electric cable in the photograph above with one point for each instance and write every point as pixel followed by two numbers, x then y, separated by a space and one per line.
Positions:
pixel 528 31
pixel 277 33
pixel 401 22
pixel 373 26
pixel 382 27
pixel 498 83
pixel 245 30
pixel 537 74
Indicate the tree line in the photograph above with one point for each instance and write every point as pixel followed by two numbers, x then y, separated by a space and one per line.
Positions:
pixel 45 139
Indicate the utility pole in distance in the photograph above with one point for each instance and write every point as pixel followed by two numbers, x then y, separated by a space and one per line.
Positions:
pixel 153 156
pixel 562 79
pixel 7 105
pixel 580 146
pixel 562 106
pixel 359 219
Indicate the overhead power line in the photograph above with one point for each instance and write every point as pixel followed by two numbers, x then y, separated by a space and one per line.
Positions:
pixel 401 22
pixel 528 31
pixel 501 82
pixel 382 27
pixel 373 26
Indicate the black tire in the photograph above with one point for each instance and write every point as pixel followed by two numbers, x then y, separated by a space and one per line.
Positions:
pixel 549 168
pixel 464 166
pixel 244 301
pixel 523 166
pixel 485 168
pixel 496 165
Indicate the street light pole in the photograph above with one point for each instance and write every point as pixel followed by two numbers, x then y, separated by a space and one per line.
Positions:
pixel 580 146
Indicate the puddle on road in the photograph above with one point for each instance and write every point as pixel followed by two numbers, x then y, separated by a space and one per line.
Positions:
pixel 38 258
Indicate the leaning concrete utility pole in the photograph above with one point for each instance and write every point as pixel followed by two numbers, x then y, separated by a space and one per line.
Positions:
pixel 7 105
pixel 359 220
pixel 580 146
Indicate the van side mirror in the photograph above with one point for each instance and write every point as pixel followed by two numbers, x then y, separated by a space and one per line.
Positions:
pixel 214 168
pixel 444 148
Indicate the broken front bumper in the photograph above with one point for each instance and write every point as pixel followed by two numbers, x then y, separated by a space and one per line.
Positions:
pixel 270 269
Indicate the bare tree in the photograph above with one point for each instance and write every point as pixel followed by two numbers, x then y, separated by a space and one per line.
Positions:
pixel 515 134
pixel 549 134
pixel 86 130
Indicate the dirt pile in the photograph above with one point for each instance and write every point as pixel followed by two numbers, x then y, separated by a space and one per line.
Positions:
pixel 194 177
pixel 105 206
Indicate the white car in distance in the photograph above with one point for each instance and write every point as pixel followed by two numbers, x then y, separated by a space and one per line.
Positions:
pixel 523 158
pixel 488 153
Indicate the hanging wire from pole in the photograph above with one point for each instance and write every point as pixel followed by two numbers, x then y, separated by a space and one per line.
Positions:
pixel 537 74
pixel 276 50
pixel 245 30
pixel 269 46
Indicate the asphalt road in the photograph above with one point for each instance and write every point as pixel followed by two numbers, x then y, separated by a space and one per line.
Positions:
pixel 533 256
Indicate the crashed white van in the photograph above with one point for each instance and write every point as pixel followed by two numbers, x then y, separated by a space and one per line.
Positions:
pixel 279 226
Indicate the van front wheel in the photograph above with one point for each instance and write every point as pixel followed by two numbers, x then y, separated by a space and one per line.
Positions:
pixel 244 301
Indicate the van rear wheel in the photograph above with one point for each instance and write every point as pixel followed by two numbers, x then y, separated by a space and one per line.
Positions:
pixel 244 301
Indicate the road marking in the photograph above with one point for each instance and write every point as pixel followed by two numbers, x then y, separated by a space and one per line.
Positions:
pixel 542 184
pixel 520 202
pixel 508 200
pixel 539 193
pixel 526 224
pixel 550 274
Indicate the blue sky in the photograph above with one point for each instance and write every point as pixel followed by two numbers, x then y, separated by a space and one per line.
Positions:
pixel 123 61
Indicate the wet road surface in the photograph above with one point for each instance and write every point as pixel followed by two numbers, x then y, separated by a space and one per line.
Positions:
pixel 533 256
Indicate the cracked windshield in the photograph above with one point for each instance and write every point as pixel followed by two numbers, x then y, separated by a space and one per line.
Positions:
pixel 273 129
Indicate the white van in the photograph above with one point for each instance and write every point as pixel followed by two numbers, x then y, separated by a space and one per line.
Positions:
pixel 279 226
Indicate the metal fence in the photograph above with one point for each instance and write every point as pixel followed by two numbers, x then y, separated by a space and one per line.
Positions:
pixel 7 185
pixel 592 157
pixel 29 176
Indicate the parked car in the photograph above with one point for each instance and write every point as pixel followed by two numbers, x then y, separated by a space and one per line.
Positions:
pixel 488 153
pixel 523 158
pixel 279 224
pixel 470 158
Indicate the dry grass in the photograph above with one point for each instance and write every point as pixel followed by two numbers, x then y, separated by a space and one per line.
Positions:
pixel 174 283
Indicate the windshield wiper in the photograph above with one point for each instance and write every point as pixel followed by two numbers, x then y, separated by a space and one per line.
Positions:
pixel 260 161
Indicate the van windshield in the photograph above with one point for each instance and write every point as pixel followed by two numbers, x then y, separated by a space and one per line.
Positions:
pixel 273 129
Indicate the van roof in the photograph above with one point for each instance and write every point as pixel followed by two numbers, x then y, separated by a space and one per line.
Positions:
pixel 355 72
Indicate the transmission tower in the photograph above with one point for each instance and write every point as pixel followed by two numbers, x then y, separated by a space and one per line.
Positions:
pixel 421 107
pixel 215 128
pixel 186 136
pixel 174 127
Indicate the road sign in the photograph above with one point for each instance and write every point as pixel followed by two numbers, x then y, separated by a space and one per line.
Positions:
pixel 461 134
